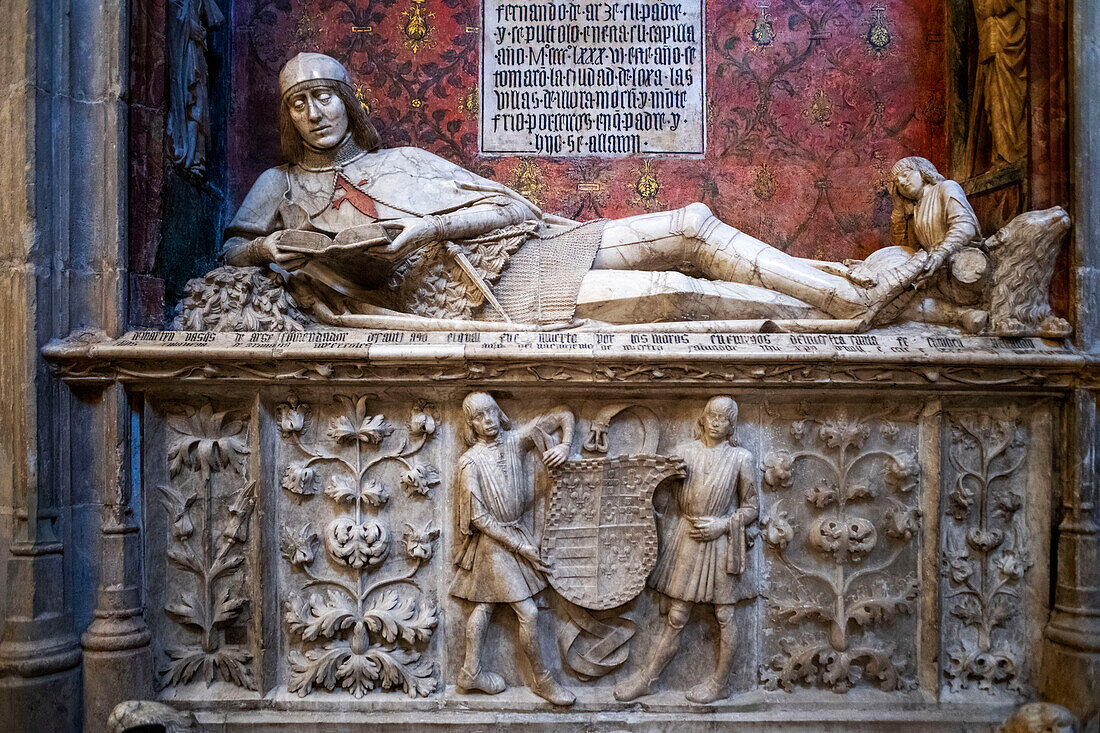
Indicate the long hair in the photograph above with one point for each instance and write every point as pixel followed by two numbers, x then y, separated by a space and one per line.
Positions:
pixel 474 402
pixel 362 131
pixel 928 174
pixel 721 403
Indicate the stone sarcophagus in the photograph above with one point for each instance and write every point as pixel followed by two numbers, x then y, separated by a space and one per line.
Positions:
pixel 438 530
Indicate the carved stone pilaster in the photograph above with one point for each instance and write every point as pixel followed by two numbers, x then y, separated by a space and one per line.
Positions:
pixel 1072 649
pixel 117 657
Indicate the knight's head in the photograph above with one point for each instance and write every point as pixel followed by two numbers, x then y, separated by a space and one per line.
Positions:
pixel 318 107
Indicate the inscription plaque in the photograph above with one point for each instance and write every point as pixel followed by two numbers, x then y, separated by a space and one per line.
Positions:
pixel 592 78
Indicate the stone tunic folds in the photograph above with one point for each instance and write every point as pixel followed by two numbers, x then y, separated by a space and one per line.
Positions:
pixel 494 500
pixel 690 570
pixel 942 218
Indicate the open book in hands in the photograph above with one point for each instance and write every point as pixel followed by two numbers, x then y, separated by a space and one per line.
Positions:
pixel 352 255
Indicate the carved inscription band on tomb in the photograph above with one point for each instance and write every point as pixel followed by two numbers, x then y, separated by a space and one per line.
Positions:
pixel 592 78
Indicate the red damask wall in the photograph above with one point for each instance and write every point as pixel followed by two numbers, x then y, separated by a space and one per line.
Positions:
pixel 802 130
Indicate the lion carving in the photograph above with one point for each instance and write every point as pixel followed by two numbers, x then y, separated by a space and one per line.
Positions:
pixel 1023 254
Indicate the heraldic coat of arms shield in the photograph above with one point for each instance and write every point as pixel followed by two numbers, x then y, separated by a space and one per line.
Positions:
pixel 600 536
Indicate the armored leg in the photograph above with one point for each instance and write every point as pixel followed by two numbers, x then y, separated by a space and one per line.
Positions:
pixel 693 236
pixel 716 686
pixel 642 680
pixel 544 685
pixel 471 676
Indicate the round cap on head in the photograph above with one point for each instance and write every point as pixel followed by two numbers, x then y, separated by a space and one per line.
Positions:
pixel 307 67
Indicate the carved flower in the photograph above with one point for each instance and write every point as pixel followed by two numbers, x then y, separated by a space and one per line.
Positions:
pixel 777 530
pixel 1010 566
pixel 292 417
pixel 422 423
pixel 821 494
pixel 420 479
pixel 959 568
pixel 984 540
pixel 841 432
pixel 357 544
pixel 847 541
pixel 236 529
pixel 1008 503
pixel 211 441
pixel 959 501
pixel 299 547
pixel 902 523
pixel 358 425
pixel 901 473
pixel 298 478
pixel 777 469
pixel 418 542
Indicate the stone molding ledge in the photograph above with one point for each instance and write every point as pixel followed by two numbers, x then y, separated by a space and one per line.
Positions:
pixel 893 358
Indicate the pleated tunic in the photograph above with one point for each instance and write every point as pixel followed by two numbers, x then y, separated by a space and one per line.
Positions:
pixel 690 570
pixel 495 493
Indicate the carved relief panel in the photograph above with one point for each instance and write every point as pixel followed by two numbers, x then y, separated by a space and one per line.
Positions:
pixel 996 476
pixel 325 545
pixel 201 494
pixel 357 481
pixel 841 525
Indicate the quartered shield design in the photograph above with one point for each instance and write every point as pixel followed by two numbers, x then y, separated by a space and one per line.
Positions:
pixel 600 536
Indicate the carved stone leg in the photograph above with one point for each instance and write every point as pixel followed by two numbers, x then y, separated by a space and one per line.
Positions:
pixel 1072 654
pixel 543 684
pixel 716 686
pixel 472 676
pixel 642 680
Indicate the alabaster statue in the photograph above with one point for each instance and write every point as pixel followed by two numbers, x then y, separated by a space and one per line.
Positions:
pixel 350 234
pixel 414 233
pixel 702 557
pixel 497 557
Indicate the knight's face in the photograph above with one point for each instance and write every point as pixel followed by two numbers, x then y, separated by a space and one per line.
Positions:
pixel 319 116
pixel 909 183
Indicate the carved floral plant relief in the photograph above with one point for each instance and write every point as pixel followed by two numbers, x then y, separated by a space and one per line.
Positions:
pixel 208 502
pixel 357 621
pixel 841 525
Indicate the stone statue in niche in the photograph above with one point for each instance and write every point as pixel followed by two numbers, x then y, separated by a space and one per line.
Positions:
pixel 400 238
pixel 189 108
pixel 703 557
pixel 1000 81
pixel 497 556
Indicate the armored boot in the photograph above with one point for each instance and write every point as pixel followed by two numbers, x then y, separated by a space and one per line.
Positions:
pixel 642 680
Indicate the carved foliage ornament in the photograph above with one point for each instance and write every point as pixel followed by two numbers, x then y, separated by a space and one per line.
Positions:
pixel 208 501
pixel 356 631
pixel 985 552
pixel 844 517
